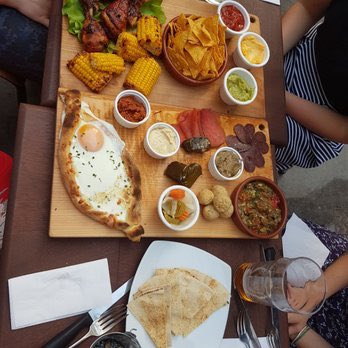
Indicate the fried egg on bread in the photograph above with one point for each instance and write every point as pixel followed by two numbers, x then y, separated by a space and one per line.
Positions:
pixel 98 173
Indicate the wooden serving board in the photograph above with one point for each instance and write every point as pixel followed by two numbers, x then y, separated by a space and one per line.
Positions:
pixel 67 221
pixel 168 90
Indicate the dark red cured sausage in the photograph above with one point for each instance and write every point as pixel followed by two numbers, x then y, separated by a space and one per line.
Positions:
pixel 233 141
pixel 181 133
pixel 259 137
pixel 211 128
pixel 249 132
pixel 239 130
pixel 196 123
pixel 258 158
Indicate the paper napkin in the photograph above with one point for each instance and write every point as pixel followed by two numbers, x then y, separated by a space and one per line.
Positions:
pixel 237 343
pixel 299 240
pixel 275 2
pixel 45 296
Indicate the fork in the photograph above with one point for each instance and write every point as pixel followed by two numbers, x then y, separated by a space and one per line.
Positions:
pixel 105 322
pixel 273 334
pixel 241 329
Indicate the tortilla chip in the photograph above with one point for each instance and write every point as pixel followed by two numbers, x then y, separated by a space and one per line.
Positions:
pixel 197 46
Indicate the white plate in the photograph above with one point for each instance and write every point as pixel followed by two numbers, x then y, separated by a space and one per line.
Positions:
pixel 164 254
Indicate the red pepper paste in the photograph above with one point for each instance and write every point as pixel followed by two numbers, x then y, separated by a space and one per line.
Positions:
pixel 232 18
pixel 131 110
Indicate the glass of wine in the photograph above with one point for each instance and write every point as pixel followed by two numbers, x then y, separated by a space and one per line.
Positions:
pixel 291 285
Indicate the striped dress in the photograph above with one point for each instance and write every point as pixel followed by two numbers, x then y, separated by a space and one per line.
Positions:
pixel 305 148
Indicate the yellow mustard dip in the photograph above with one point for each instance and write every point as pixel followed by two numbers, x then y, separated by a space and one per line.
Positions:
pixel 253 50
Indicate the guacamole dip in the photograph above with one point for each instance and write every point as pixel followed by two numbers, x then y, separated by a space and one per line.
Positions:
pixel 238 88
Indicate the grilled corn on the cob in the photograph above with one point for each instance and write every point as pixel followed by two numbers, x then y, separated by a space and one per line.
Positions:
pixel 143 75
pixel 108 62
pixel 149 34
pixel 81 67
pixel 128 48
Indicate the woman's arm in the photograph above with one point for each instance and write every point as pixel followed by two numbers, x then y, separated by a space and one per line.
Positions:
pixel 37 10
pixel 319 119
pixel 300 17
pixel 336 275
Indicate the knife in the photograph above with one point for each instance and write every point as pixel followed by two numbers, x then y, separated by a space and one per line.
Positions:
pixel 63 338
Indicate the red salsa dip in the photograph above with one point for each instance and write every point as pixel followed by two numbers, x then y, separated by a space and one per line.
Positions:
pixel 259 207
pixel 232 17
pixel 131 110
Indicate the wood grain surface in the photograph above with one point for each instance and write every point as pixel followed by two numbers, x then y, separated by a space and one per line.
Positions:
pixel 168 90
pixel 67 221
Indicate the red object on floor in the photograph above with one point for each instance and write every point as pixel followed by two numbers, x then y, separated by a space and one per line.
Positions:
pixel 5 175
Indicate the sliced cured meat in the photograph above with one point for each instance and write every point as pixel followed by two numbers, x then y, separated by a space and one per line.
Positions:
pixel 258 158
pixel 249 160
pixel 239 131
pixel 249 132
pixel 263 147
pixel 180 132
pixel 186 126
pixel 233 141
pixel 259 137
pixel 183 115
pixel 211 128
pixel 196 123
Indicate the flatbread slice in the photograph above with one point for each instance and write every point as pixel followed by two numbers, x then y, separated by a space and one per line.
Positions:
pixel 153 310
pixel 219 298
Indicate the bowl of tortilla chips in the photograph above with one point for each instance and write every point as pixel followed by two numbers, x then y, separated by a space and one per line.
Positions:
pixel 194 49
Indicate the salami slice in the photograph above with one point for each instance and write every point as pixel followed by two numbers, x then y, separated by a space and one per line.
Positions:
pixel 211 127
pixel 249 132
pixel 258 158
pixel 239 131
pixel 248 158
pixel 233 141
pixel 259 137
pixel 181 133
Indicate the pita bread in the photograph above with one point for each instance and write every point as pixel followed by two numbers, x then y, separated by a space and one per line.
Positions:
pixel 152 309
pixel 219 298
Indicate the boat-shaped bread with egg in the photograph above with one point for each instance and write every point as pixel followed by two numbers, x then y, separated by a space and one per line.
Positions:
pixel 98 172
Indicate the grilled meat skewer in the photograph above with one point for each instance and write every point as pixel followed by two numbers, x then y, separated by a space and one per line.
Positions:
pixel 90 6
pixel 134 11
pixel 115 18
pixel 93 35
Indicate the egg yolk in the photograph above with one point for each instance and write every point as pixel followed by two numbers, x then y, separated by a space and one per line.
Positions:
pixel 90 138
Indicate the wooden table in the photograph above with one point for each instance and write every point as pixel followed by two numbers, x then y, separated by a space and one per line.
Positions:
pixel 27 247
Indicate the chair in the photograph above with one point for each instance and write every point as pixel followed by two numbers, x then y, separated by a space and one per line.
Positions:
pixel 18 82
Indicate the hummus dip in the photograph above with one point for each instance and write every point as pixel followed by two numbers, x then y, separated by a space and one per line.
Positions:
pixel 162 140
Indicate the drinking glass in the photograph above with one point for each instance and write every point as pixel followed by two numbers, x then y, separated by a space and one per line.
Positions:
pixel 291 285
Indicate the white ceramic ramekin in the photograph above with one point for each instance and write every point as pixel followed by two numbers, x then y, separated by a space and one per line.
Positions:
pixel 229 32
pixel 152 152
pixel 247 77
pixel 239 58
pixel 214 170
pixel 139 97
pixel 191 220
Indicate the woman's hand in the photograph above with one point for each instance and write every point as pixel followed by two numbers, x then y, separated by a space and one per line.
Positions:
pixel 37 10
pixel 296 323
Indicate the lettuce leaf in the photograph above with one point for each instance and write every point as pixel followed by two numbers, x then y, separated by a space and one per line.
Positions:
pixel 74 11
pixel 153 8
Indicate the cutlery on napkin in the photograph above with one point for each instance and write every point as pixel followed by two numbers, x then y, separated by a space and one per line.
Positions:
pixel 59 293
pixel 237 343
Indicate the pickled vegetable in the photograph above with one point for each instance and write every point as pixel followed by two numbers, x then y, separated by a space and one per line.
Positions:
pixel 184 174
pixel 197 144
